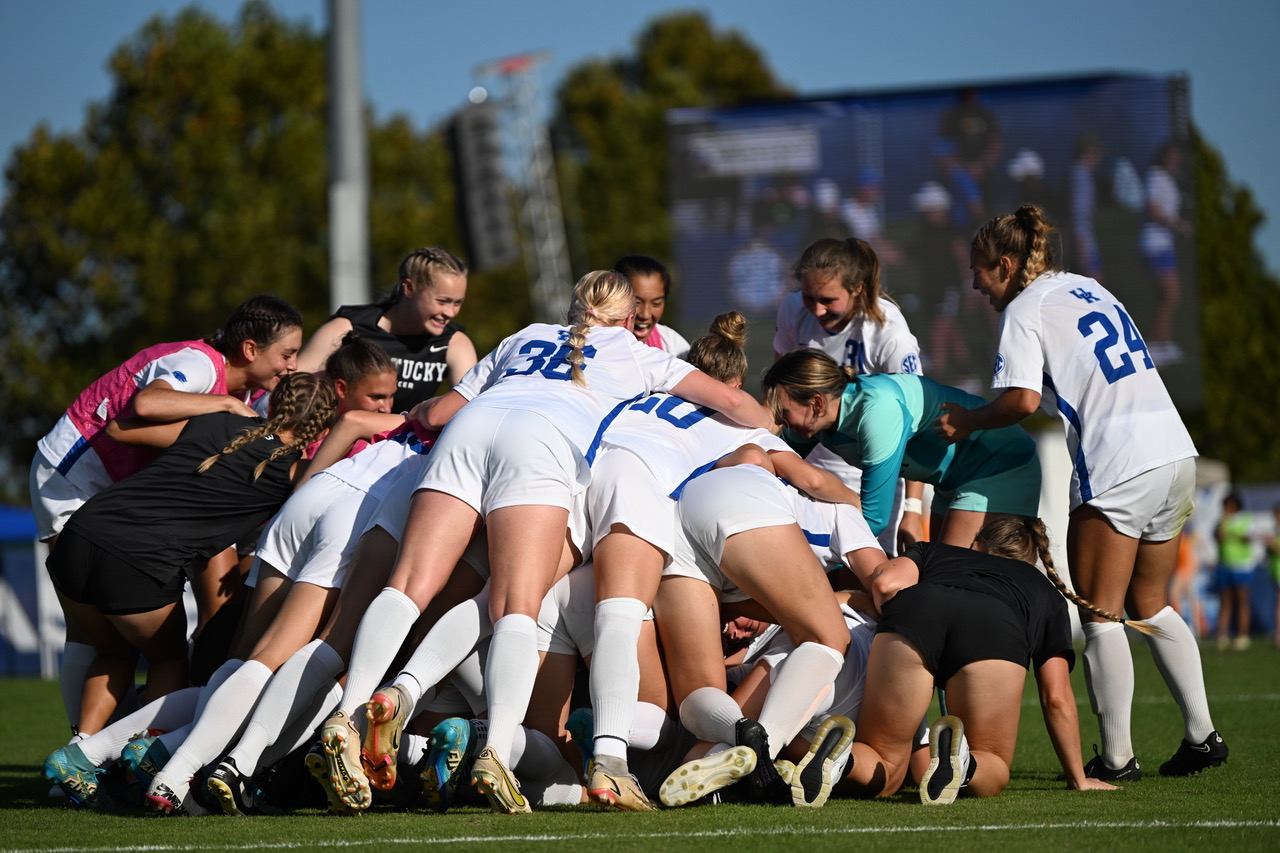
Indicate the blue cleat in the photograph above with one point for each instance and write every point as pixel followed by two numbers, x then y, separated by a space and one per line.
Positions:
pixel 581 727
pixel 452 744
pixel 71 771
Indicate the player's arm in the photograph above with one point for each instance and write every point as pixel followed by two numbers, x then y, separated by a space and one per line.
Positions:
pixel 159 401
pixel 1058 704
pixel 321 345
pixel 460 358
pixel 145 433
pixel 815 482
pixel 1013 405
pixel 349 428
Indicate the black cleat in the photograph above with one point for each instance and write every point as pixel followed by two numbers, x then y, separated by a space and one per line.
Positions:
pixel 1194 757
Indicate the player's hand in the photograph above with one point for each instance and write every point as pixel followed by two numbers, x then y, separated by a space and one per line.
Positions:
pixel 952 425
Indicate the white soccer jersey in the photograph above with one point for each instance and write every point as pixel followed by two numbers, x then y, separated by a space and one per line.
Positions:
pixel 377 462
pixel 862 344
pixel 528 371
pixel 672 341
pixel 1069 338
pixel 677 440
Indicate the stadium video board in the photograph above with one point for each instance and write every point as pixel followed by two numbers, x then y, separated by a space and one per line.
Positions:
pixel 915 173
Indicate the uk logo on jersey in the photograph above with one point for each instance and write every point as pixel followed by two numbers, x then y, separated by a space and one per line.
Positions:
pixel 1081 293
pixel 911 364
pixel 999 364
pixel 180 376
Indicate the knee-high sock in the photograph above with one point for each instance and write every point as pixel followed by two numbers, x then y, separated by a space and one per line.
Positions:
pixel 173 740
pixel 381 633
pixel 650 726
pixel 224 715
pixel 468 678
pixel 509 678
pixel 803 681
pixel 1108 673
pixel 1177 656
pixel 615 673
pixel 166 713
pixel 302 730
pixel 310 670
pixel 711 714
pixel 215 681
pixel 76 659
pixel 446 645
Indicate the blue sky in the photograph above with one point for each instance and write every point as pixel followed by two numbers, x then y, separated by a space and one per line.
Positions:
pixel 420 57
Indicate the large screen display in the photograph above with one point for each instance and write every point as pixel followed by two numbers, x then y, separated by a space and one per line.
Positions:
pixel 915 173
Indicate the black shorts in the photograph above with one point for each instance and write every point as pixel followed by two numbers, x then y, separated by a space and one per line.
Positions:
pixel 953 627
pixel 87 574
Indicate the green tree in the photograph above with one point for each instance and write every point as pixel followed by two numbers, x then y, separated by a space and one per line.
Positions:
pixel 1240 307
pixel 201 180
pixel 610 119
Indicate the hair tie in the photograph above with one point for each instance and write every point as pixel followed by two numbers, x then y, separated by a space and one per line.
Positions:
pixel 591 311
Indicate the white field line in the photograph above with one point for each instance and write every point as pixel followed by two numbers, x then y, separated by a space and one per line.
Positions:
pixel 719 833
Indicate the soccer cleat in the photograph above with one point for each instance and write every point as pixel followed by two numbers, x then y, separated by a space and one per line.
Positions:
pixel 1194 757
pixel 144 756
pixel 1097 768
pixel 610 783
pixel 164 800
pixel 317 765
pixel 452 744
pixel 231 789
pixel 581 728
pixel 763 784
pixel 695 779
pixel 498 784
pixel 825 764
pixel 74 774
pixel 341 741
pixel 387 711
pixel 948 762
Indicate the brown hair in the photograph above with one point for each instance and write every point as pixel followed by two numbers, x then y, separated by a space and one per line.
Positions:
pixel 355 359
pixel 1023 236
pixel 600 298
pixel 302 403
pixel 263 319
pixel 720 354
pixel 1025 539
pixel 857 265
pixel 800 374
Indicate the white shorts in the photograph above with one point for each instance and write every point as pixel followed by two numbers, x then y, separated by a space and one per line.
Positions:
pixel 846 695
pixel 624 491
pixel 725 502
pixel 833 530
pixel 494 458
pixel 307 538
pixel 393 507
pixel 566 622
pixel 53 497
pixel 1152 506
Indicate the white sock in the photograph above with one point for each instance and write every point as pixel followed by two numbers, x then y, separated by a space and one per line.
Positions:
pixel 381 633
pixel 1108 673
pixel 711 714
pixel 468 679
pixel 224 715
pixel 302 730
pixel 413 748
pixel 166 713
pixel 802 684
pixel 650 725
pixel 509 677
pixel 1177 655
pixel 76 660
pixel 215 681
pixel 309 671
pixel 615 673
pixel 448 642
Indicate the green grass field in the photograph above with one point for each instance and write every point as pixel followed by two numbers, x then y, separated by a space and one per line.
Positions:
pixel 1230 809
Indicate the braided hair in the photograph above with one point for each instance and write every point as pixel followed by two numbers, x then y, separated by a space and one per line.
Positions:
pixel 600 298
pixel 1023 236
pixel 419 266
pixel 303 404
pixel 1025 539
pixel 263 319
